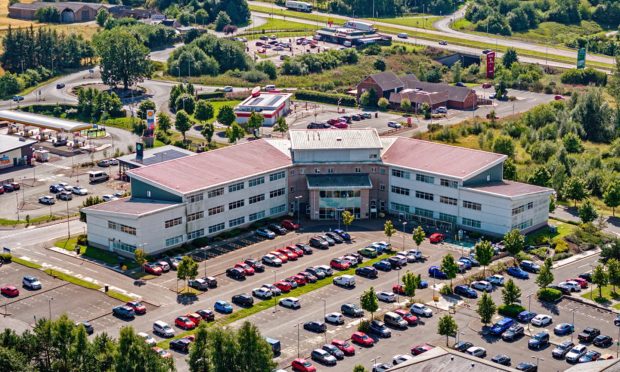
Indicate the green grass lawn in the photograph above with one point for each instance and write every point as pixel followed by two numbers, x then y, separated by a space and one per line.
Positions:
pixel 30 264
pixel 563 229
pixel 418 22
pixel 608 295
pixel 119 296
pixel 33 221
pixel 107 257
pixel 281 25
pixel 72 279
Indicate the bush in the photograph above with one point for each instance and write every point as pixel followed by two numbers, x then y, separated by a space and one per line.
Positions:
pixel 561 246
pixel 310 95
pixel 540 252
pixel 549 294
pixel 82 239
pixel 255 76
pixel 210 95
pixel 364 326
pixel 562 256
pixel 445 290
pixel 6 257
pixel 510 310
pixel 585 77
pixel 523 256
pixel 383 103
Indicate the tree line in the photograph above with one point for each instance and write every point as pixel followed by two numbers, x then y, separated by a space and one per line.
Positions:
pixel 389 8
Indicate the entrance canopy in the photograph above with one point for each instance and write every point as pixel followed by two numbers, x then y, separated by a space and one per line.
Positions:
pixel 42 121
pixel 352 181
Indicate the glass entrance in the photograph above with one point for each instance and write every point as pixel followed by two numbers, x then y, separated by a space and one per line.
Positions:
pixel 333 202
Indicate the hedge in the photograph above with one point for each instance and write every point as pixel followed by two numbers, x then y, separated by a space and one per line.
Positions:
pixel 584 77
pixel 210 95
pixel 549 294
pixel 311 95
pixel 510 311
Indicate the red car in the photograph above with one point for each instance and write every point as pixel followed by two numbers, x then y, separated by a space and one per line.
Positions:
pixel 281 256
pixel 340 125
pixel 184 322
pixel 344 346
pixel 9 291
pixel 558 98
pixel 298 251
pixel 363 339
pixel 398 289
pixel 246 268
pixel 419 349
pixel 302 365
pixel 582 282
pixel 290 255
pixel 283 286
pixel 487 85
pixel 339 264
pixel 333 121
pixel 207 315
pixel 152 269
pixel 137 307
pixel 299 279
pixel 436 238
pixel 289 225
pixel 409 318
pixel 195 318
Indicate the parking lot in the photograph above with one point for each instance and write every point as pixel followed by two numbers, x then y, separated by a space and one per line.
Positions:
pixel 275 49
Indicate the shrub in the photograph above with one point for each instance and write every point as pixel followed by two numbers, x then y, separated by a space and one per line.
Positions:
pixel 540 252
pixel 561 246
pixel 255 76
pixel 445 290
pixel 310 95
pixel 82 239
pixel 584 77
pixel 562 256
pixel 523 256
pixel 383 103
pixel 6 257
pixel 364 326
pixel 210 95
pixel 549 294
pixel 510 310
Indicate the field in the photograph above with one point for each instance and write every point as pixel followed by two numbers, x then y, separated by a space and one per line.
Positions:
pixel 282 25
pixel 417 21
pixel 5 21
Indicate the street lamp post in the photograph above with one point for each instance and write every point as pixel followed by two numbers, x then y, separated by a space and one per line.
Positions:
pixel 538 359
pixel 49 305
pixel 374 361
pixel 298 325
pixel 324 315
pixel 275 307
pixel 572 333
pixel 298 212
pixel 404 233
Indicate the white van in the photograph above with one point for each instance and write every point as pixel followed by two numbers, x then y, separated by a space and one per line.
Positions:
pixel 347 281
pixel 163 329
pixel 270 88
pixel 97 176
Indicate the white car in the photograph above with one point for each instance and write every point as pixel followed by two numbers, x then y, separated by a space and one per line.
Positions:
pixel 147 338
pixel 380 367
pixel 477 351
pixel 347 281
pixel 482 285
pixel 290 302
pixel 262 293
pixel 47 199
pixel 334 318
pixel 108 197
pixel 271 260
pixel 421 309
pixel 386 296
pixel 401 358
pixel 393 124
pixel 496 279
pixel 416 253
pixel 402 35
pixel 541 320
pixel 275 291
pixel 575 353
pixel 571 286
pixel 402 259
pixel 80 191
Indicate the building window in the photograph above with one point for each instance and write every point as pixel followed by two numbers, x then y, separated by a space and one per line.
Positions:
pixel 472 205
pixel 449 183
pixel 235 187
pixel 330 170
pixel 174 241
pixel 424 212
pixel 373 169
pixel 530 205
pixel 236 204
pixel 358 170
pixel 195 234
pixel 447 200
pixel 216 192
pixel 173 222
pixel 317 170
pixel 256 198
pixel 276 193
pixel 122 228
pixel 399 207
pixel 447 217
pixel 277 176
pixel 471 223
pixel 518 210
pixel 292 172
pixel 382 171
pixel 400 190
pixel 374 156
pixel 277 210
pixel 424 178
pixel 381 187
pixel 522 225
pixel 120 246
pixel 424 195
pixel 292 189
pixel 195 216
pixel 401 174
pixel 256 181
pixel 216 210
pixel 215 228
pixel 236 221
pixel 195 198
pixel 257 216
pixel 302 171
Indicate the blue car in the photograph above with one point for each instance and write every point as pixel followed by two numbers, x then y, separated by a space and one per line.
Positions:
pixel 563 329
pixel 465 291
pixel 465 262
pixel 473 260
pixel 422 284
pixel 435 272
pixel 223 307
pixel 383 265
pixel 525 316
pixel 266 233
pixel 344 235
pixel 517 273
pixel 502 325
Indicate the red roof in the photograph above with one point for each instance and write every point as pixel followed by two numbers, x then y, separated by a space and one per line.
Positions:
pixel 438 158
pixel 131 206
pixel 509 188
pixel 215 167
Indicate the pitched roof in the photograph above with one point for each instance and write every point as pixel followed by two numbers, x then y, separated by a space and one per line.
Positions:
pixel 455 93
pixel 509 188
pixel 74 6
pixel 317 139
pixel 420 97
pixel 211 168
pixel 437 158
pixel 387 80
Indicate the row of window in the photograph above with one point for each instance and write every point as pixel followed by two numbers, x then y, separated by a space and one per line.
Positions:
pixel 122 228
pixel 340 194
pixel 472 205
pixel 238 186
pixel 195 216
pixel 235 187
pixel 120 246
pixel 447 200
pixel 523 225
pixel 401 208
pixel 471 223
pixel 195 198
pixel 400 190
pixel 195 234
pixel 276 193
pixel 256 198
pixel 424 195
pixel 173 222
pixel 174 240
pixel 236 204
pixel 277 176
pixel 256 181
pixel 331 170
pixel 424 178
pixel 241 220
pixel 522 208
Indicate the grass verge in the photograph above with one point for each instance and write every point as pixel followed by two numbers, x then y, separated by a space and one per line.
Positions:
pixel 267 304
pixel 30 264
pixel 119 296
pixel 32 221
pixel 608 295
pixel 72 279
pixel 109 258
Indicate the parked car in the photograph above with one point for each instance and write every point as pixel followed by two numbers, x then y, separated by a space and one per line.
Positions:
pixel 152 269
pixel 538 341
pixel 462 346
pixel 262 293
pixel 302 365
pixel 436 238
pixel 47 199
pixel 235 273
pixel 477 351
pixel 530 266
pixel 362 338
pixel 31 282
pixel 383 265
pixel 570 286
pixel 501 359
pixel 575 353
pixel 502 325
pixel 290 302
pixel 148 339
pixel 344 346
pixel 305 248
pixel 590 356
pixel 378 327
pixel 421 309
pixel 541 320
pixel 335 237
pixel 526 316
pixel 527 367
pixel 347 281
pixel 351 310
pixel 513 333
pixel 244 300
pixel 207 315
pixel 435 272
pixel 407 316
pixel 223 307
pixel 386 296
pixel 588 335
pixel 184 322
pixel 180 345
pixel 163 329
pixel 289 225
pixel 339 264
pixel 465 291
pixel 277 229
pixel 563 329
pixel 344 235
pixel 247 269
pixel 323 357
pixel 137 306
pixel 420 349
pixel 265 233
pixel 393 124
pixel 562 349
pixel 603 341
pixel 271 260
pixel 255 264
pixel 517 272
pixel 497 280
pixel 367 272
pixel 317 242
pixel 393 319
pixel 482 285
pixel 315 326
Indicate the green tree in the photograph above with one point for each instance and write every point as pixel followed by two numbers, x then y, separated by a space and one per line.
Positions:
pixel 139 257
pixel 450 267
pixel 595 116
pixel 486 308
pixel 418 236
pixel 163 122
pixel 222 20
pixel 182 123
pixel 234 133
pixel 126 68
pixel 457 71
pixel 574 189
pixel 369 98
pixel 545 276
pixel 185 102
pixel 257 354
pixel 369 301
pixel 144 107
pixel 281 126
pixel 135 355
pixel 269 68
pixel 410 284
pixel 613 272
pixel 587 212
pixel 225 351
pixel 540 177
pixel 484 254
pixel 447 327
pixel 199 353
pixel 389 230
pixel 347 219
pixel 202 17
pixel 379 64
pixel 255 122
pixel 572 143
pixel 359 368
pixel 187 269
pixel 510 293
pixel 426 110
pixel 226 115
pixel 383 103
pixel 504 145
pixel 501 89
pixel 102 17
pixel 510 57
pixel 510 170
pixel 204 111
pixel 514 242
pixel 600 278
pixel 611 197
pixel 552 203
pixel 208 130
pixel 405 105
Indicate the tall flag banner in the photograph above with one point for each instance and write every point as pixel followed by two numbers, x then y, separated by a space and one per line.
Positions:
pixel 581 58
pixel 490 65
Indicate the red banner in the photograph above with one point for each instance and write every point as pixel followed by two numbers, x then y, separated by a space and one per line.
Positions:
pixel 490 65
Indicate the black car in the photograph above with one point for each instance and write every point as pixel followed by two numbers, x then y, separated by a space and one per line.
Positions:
pixel 530 266
pixel 56 188
pixel 378 327
pixel 207 315
pixel 588 334
pixel 256 265
pixel 323 357
pixel 314 125
pixel 60 85
pixel 333 350
pixel 367 272
pixel 356 117
pixel 383 265
pixel 124 312
pixel 539 341
pixel 235 273
pixel 277 229
pixel 586 276
pixel 87 326
pixel 465 291
pixel 395 262
pixel 315 326
pixel 317 242
pixel 211 281
pixel 304 247
pixel 462 346
pixel 527 367
pixel 351 310
pixel 335 237
pixel 316 272
pixel 562 349
pixel 243 299
pixel 564 290
pixel 501 359
pixel 603 341
pixel 513 333
pixel 180 345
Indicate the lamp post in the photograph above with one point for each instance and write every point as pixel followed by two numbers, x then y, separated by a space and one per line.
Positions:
pixel 298 325
pixel 538 359
pixel 404 233
pixel 374 361
pixel 572 333
pixel 49 306
pixel 324 315
pixel 298 212
pixel 275 307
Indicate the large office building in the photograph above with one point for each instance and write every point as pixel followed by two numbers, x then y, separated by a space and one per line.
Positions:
pixel 318 174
